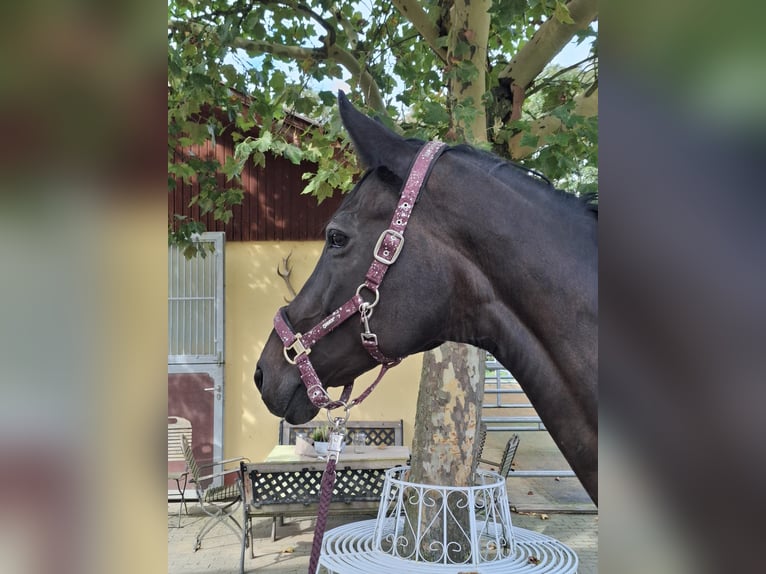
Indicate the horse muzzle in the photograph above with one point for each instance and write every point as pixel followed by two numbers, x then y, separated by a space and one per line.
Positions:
pixel 282 391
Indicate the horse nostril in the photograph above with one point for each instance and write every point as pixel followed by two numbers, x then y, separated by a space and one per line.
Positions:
pixel 258 378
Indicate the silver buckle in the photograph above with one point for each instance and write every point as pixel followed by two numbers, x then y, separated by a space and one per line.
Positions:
pixel 370 338
pixel 298 348
pixel 388 260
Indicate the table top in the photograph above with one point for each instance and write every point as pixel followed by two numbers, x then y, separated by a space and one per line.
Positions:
pixel 388 455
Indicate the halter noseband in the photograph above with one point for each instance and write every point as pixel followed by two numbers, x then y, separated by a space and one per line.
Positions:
pixel 297 346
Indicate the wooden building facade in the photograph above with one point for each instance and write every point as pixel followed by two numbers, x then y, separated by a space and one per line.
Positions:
pixel 273 208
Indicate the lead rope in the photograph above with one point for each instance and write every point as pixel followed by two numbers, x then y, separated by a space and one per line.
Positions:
pixel 337 438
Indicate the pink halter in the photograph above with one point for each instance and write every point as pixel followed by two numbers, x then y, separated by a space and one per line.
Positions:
pixel 297 346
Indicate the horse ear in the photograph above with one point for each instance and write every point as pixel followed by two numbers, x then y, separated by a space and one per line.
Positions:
pixel 375 144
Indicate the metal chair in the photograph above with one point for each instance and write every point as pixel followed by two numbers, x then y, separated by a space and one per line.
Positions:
pixel 218 502
pixel 178 427
pixel 509 453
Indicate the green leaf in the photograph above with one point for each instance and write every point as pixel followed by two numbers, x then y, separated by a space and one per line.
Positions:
pixel 264 142
pixel 530 140
pixel 278 146
pixel 327 98
pixel 244 148
pixel 232 167
pixel 561 13
pixel 182 170
pixel 461 49
pixel 259 159
pixel 244 123
pixel 293 153
pixel 466 72
pixel 433 113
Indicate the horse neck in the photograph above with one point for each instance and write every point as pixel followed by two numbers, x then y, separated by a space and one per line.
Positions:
pixel 527 253
pixel 530 263
pixel 543 283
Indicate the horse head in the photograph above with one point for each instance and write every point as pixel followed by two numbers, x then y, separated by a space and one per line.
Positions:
pixel 492 256
pixel 399 320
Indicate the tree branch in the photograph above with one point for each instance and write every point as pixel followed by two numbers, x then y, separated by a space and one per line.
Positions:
pixel 293 52
pixel 548 79
pixel 586 104
pixel 237 7
pixel 367 83
pixel 300 7
pixel 548 41
pixel 331 33
pixel 422 23
pixel 517 99
pixel 348 28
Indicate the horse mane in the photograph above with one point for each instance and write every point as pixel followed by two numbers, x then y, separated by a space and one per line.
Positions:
pixel 506 172
pixel 509 173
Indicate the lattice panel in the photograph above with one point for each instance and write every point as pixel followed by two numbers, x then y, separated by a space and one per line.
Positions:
pixel 376 436
pixel 302 487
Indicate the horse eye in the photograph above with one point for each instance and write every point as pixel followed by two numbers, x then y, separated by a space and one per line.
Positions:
pixel 336 239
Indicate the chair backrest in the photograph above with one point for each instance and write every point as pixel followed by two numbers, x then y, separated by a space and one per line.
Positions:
pixel 178 427
pixel 191 461
pixel 389 433
pixel 482 440
pixel 510 452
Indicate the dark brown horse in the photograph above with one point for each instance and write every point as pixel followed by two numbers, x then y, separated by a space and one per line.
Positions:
pixel 494 257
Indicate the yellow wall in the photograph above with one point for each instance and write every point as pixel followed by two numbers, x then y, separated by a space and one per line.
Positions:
pixel 253 293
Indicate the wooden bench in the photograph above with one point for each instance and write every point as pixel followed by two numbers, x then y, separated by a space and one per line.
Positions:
pixel 279 489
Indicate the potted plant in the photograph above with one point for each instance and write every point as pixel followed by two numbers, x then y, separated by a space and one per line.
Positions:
pixel 321 438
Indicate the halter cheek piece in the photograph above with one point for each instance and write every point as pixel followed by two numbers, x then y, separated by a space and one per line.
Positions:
pixel 297 346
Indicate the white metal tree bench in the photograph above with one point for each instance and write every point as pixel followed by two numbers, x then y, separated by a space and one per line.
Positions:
pixel 409 535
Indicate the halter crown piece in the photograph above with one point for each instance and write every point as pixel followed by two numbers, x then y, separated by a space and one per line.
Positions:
pixel 297 346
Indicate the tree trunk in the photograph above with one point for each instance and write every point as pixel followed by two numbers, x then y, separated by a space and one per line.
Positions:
pixel 468 36
pixel 444 445
pixel 452 381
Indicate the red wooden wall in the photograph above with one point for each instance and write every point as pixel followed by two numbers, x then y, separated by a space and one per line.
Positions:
pixel 273 208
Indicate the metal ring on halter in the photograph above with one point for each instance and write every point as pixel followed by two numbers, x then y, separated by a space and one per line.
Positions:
pixel 377 295
pixel 365 313
pixel 346 410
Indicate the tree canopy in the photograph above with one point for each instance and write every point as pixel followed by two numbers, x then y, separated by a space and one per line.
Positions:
pixel 457 70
